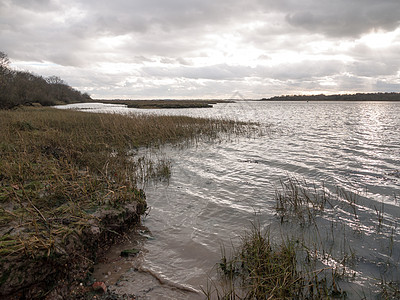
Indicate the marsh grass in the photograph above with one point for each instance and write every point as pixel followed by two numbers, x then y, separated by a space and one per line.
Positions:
pixel 262 269
pixel 300 200
pixel 389 289
pixel 312 253
pixel 380 215
pixel 58 167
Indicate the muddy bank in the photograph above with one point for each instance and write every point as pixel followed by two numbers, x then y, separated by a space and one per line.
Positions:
pixel 59 274
pixel 130 277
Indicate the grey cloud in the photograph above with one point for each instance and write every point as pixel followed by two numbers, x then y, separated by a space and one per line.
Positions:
pixel 183 61
pixel 373 68
pixel 306 70
pixel 162 27
pixel 36 5
pixel 143 15
pixel 351 83
pixel 384 86
pixel 179 60
pixel 215 72
pixel 155 27
pixel 344 18
pixel 370 63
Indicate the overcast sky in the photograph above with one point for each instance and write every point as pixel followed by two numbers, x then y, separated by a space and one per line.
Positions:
pixel 143 49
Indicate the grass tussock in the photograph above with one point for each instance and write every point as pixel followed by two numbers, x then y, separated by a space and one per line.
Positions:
pixel 262 269
pixel 319 258
pixel 303 201
pixel 300 200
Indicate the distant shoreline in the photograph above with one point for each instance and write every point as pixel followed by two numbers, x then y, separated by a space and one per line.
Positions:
pixel 379 97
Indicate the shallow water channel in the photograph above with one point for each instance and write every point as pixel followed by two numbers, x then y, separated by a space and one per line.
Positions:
pixel 350 150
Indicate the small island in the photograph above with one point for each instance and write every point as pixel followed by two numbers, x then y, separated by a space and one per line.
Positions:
pixel 165 103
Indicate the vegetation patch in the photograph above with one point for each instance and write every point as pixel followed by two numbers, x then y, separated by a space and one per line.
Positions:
pixel 69 186
pixel 300 200
pixel 312 253
pixel 24 88
pixel 129 252
pixel 262 269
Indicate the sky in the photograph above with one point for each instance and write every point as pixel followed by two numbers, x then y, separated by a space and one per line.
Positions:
pixel 181 49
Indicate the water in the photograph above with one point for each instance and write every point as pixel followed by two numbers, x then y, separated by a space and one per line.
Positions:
pixel 217 189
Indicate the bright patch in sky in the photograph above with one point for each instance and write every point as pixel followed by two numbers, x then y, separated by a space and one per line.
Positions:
pixel 380 39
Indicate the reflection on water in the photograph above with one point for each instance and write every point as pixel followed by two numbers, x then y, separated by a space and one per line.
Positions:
pixel 216 190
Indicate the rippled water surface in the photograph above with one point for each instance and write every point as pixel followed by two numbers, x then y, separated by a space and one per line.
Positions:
pixel 217 189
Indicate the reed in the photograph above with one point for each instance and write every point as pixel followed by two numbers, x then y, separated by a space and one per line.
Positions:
pixel 389 289
pixel 312 253
pixel 380 215
pixel 300 200
pixel 262 269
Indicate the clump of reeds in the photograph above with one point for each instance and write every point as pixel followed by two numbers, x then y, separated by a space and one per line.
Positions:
pixel 300 203
pixel 389 289
pixel 349 199
pixel 262 269
pixel 301 200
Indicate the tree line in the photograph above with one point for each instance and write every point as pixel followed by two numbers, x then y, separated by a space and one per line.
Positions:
pixel 24 88
pixel 342 97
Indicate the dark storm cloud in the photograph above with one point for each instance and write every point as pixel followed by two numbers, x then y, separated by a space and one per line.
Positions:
pixel 168 15
pixel 339 18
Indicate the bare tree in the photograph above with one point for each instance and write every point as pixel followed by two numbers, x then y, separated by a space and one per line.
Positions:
pixel 25 88
pixel 55 80
pixel 4 67
pixel 4 61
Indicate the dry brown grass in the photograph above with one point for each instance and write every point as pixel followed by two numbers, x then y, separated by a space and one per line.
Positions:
pixel 68 178
pixel 262 269
pixel 57 167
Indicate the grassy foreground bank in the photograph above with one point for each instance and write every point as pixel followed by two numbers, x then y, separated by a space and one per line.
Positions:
pixel 68 186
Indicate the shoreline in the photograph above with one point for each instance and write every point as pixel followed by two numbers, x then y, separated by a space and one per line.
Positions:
pixel 358 97
pixel 63 274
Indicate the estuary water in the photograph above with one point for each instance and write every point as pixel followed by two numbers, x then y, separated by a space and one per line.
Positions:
pixel 350 151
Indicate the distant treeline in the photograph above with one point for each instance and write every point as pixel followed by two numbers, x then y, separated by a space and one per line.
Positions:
pixel 344 97
pixel 25 88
